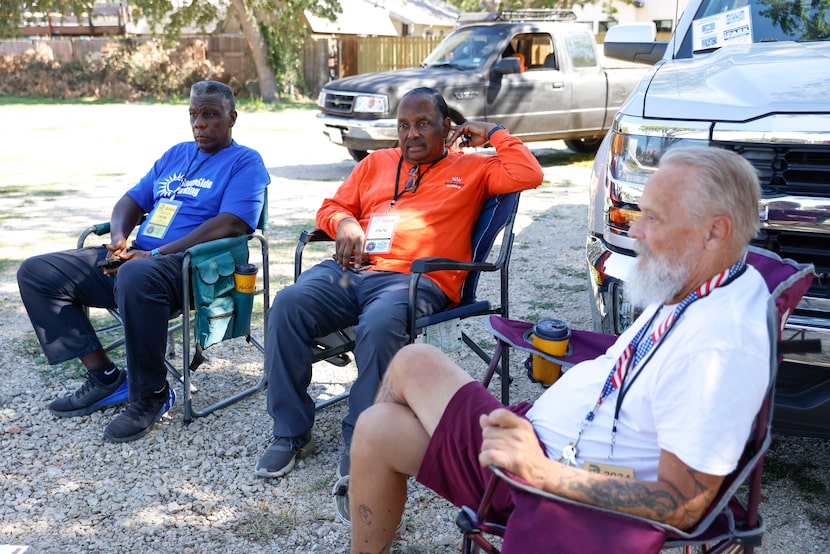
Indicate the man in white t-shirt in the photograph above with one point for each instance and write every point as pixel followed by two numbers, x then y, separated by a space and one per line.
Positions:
pixel 659 420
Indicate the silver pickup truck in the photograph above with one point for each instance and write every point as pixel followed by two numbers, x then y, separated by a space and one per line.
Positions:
pixel 537 72
pixel 752 76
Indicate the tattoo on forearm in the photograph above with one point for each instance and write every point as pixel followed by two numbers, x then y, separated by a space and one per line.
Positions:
pixel 661 505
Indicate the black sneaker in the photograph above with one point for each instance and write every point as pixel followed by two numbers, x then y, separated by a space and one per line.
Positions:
pixel 91 396
pixel 282 453
pixel 139 417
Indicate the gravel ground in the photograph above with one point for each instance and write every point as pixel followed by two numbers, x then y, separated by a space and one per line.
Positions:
pixel 191 489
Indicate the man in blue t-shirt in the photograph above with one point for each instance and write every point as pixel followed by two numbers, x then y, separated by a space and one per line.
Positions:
pixel 197 191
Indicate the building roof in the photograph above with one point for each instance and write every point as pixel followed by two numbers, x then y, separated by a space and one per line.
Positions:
pixel 422 12
pixel 374 17
pixel 357 17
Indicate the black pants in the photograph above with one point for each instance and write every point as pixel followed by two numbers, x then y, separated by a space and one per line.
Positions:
pixel 147 292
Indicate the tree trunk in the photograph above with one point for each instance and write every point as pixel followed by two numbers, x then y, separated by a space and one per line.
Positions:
pixel 250 29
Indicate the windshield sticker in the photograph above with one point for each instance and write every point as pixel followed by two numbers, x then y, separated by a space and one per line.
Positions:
pixel 732 27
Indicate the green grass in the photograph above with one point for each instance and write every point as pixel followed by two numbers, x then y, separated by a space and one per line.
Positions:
pixel 572 288
pixel 802 475
pixel 263 523
pixel 42 191
pixel 547 305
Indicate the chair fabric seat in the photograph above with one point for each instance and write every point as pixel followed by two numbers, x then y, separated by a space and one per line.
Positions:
pixel 457 312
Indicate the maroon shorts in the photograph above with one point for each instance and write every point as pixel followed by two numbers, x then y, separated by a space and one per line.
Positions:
pixel 450 466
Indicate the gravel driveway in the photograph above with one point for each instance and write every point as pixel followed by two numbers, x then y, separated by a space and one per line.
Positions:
pixel 191 489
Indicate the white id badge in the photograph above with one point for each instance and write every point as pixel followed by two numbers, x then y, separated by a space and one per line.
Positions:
pixel 380 233
pixel 161 218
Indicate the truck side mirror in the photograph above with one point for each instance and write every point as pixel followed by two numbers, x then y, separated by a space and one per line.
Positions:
pixel 508 65
pixel 634 42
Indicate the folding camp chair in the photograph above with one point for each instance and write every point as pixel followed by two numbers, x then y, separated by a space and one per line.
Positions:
pixel 237 248
pixel 497 217
pixel 728 522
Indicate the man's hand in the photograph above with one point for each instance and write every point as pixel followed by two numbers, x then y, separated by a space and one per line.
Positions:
pixel 509 442
pixel 472 133
pixel 349 243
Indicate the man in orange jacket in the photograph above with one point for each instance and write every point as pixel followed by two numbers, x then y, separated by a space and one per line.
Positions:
pixel 398 204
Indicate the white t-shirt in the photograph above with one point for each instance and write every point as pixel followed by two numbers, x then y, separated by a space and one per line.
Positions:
pixel 696 397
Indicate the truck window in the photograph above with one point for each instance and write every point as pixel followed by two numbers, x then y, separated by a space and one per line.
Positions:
pixel 534 49
pixel 466 48
pixel 770 21
pixel 581 50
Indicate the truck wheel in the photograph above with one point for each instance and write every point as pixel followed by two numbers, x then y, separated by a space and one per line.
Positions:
pixel 584 146
pixel 358 155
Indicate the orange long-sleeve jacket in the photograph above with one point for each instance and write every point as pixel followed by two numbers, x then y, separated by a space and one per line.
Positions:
pixel 438 218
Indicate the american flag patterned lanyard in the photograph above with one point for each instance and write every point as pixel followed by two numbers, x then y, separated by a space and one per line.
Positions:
pixel 637 351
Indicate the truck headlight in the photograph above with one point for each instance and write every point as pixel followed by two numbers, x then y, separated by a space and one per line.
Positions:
pixel 371 103
pixel 636 148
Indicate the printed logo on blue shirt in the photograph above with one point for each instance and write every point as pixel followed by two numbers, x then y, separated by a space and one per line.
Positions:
pixel 175 184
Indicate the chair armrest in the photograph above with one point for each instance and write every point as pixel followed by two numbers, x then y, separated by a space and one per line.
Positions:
pixel 216 246
pixel 98 230
pixel 314 235
pixel 309 235
pixel 430 264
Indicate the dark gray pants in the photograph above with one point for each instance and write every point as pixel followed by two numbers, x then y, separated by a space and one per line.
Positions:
pixel 147 292
pixel 374 302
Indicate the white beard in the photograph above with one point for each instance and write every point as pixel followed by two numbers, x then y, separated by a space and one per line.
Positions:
pixel 654 280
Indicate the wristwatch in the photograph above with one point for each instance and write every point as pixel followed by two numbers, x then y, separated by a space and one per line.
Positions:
pixel 498 127
pixel 154 252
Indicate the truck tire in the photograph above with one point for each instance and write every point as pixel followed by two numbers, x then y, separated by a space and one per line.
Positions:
pixel 358 155
pixel 585 145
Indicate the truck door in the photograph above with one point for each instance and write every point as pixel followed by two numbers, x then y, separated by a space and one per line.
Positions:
pixel 588 82
pixel 536 101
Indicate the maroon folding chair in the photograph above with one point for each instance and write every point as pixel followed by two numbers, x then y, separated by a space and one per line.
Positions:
pixel 544 522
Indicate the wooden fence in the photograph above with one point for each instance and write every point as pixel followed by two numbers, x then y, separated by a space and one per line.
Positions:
pixel 326 59
pixel 386 53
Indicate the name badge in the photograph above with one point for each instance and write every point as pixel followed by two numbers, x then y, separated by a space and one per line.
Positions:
pixel 609 470
pixel 161 218
pixel 380 233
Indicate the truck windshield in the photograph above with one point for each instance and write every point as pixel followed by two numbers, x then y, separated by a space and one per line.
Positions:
pixel 722 22
pixel 466 48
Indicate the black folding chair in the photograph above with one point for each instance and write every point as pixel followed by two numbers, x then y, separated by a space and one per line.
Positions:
pixel 497 217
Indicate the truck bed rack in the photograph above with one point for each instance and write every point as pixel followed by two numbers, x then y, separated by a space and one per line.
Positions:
pixel 518 15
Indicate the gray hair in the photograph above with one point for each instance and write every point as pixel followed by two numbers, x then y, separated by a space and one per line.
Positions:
pixel 724 184
pixel 214 88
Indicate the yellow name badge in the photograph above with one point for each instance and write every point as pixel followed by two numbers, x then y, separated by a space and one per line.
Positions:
pixel 609 470
pixel 161 218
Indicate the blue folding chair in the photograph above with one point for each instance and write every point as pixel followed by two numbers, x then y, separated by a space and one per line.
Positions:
pixel 496 218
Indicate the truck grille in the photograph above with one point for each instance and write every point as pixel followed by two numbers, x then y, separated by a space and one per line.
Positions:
pixel 793 170
pixel 788 170
pixel 338 102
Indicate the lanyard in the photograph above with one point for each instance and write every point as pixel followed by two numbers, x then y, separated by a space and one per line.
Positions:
pixel 198 167
pixel 412 182
pixel 640 350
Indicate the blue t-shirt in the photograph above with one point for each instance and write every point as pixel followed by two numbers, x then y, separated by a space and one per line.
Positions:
pixel 186 187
